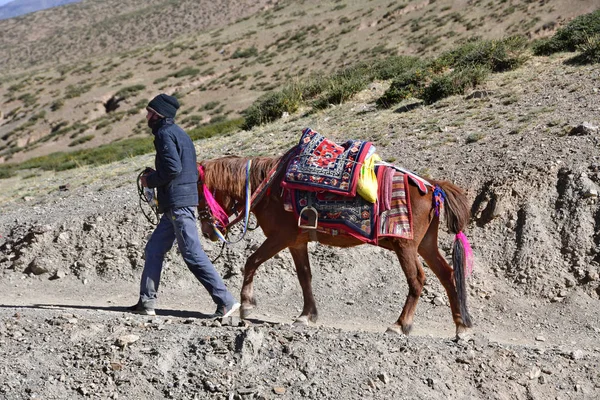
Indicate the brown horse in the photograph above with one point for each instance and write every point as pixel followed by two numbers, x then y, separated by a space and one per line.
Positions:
pixel 225 178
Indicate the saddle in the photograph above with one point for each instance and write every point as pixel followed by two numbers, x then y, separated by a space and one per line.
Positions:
pixel 320 187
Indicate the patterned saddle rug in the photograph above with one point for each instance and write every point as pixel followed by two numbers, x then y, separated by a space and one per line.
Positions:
pixel 322 165
pixel 343 215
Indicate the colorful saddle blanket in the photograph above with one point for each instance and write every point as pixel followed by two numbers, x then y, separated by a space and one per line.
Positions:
pixel 338 215
pixel 322 165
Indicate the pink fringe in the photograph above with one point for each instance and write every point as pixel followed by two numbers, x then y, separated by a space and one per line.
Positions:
pixel 216 210
pixel 468 252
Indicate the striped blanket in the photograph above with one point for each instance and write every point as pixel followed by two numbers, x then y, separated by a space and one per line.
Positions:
pixel 395 217
pixel 390 216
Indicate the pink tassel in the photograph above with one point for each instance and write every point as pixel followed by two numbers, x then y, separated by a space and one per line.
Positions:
pixel 468 252
pixel 216 210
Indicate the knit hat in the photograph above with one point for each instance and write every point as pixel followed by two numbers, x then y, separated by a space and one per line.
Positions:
pixel 164 105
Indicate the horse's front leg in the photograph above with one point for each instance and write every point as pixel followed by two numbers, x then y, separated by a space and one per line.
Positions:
pixel 302 263
pixel 273 245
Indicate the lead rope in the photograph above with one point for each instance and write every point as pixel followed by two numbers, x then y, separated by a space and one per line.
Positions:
pixel 152 216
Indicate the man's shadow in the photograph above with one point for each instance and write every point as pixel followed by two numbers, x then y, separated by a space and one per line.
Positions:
pixel 160 312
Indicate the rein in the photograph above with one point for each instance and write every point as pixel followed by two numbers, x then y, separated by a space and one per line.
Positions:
pixel 215 211
pixel 250 199
pixel 149 199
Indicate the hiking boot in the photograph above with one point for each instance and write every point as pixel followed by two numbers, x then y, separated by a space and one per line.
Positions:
pixel 140 309
pixel 226 311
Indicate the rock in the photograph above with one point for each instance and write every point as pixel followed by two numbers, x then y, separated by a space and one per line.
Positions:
pixel 535 373
pixel 383 377
pixel 279 390
pixel 583 129
pixel 479 94
pixel 576 354
pixel 127 340
pixel 37 267
pixel 58 274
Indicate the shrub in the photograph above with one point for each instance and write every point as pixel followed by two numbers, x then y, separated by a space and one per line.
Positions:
pixel 57 105
pixel 129 91
pixel 209 106
pixel 496 55
pixel 590 51
pixel 72 91
pixel 81 140
pixel 187 71
pixel 6 171
pixel 394 66
pixel 455 82
pixel 341 89
pixel 409 84
pixel 245 53
pixel 216 129
pixel 569 37
pixel 270 106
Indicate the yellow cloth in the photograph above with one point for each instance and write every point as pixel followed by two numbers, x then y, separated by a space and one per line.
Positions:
pixel 367 180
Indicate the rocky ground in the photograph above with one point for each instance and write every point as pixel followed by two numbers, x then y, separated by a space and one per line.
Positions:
pixel 525 149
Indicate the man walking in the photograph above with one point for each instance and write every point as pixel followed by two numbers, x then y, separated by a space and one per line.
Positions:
pixel 176 179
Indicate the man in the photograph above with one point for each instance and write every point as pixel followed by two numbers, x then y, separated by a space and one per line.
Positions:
pixel 175 180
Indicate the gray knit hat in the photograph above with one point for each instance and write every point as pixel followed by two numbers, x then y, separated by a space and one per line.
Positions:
pixel 164 105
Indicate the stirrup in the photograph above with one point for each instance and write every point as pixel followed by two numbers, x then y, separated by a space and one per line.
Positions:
pixel 310 225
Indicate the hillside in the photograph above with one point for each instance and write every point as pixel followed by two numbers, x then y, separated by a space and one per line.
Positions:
pixel 78 76
pixel 525 149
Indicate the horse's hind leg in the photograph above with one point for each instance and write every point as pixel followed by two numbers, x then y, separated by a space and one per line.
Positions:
pixel 270 247
pixel 415 277
pixel 428 249
pixel 301 260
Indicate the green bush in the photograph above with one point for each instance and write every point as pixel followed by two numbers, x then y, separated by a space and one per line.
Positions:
pixel 216 129
pixel 129 91
pixel 409 84
pixel 453 83
pixel 590 52
pixel 72 91
pixel 245 53
pixel 569 37
pixel 496 55
pixel 187 71
pixel 341 88
pixel 270 106
pixel 81 140
pixel 394 66
pixel 6 171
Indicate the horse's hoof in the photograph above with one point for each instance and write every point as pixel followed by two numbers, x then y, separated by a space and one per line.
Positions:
pixel 245 312
pixel 301 321
pixel 462 334
pixel 394 330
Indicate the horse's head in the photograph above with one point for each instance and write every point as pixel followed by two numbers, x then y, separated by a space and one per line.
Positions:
pixel 215 203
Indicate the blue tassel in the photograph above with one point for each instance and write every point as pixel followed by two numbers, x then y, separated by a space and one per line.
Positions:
pixel 438 200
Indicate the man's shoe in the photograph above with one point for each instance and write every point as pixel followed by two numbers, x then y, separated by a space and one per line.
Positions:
pixel 140 309
pixel 224 311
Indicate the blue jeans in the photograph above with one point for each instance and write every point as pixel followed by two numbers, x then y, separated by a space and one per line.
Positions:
pixel 180 224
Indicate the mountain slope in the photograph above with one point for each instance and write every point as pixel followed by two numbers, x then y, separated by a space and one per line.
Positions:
pixel 64 65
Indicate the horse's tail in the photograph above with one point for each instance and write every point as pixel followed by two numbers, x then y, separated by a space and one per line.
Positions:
pixel 457 213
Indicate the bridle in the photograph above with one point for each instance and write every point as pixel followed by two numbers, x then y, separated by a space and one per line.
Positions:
pixel 213 214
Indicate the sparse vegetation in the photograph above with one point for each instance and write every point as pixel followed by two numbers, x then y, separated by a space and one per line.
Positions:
pixel 571 36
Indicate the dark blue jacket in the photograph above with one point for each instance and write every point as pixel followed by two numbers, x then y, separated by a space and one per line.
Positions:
pixel 176 175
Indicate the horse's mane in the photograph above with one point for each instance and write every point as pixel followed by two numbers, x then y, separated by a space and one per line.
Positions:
pixel 228 173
